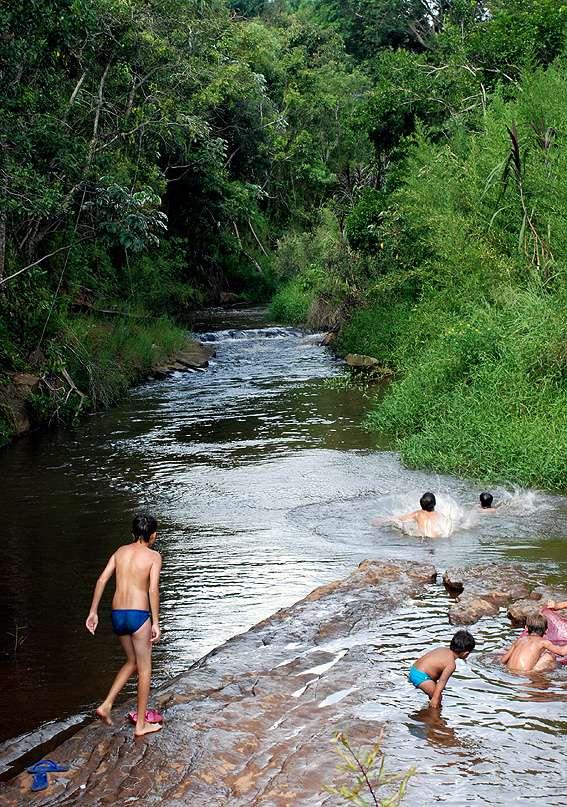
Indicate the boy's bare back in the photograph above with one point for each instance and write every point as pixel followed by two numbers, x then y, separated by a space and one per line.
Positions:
pixel 134 563
pixel 436 662
pixel 531 653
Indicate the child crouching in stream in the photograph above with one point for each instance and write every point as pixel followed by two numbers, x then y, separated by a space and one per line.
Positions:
pixel 431 671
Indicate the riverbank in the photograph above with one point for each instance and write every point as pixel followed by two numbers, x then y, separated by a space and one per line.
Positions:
pixel 90 367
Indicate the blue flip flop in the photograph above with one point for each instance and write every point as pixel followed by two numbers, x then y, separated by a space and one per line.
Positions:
pixel 47 766
pixel 39 781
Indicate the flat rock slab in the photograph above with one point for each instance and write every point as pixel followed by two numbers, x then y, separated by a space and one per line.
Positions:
pixel 483 589
pixel 253 722
pixel 194 356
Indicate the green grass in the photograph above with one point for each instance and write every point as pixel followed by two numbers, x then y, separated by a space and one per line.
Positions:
pixel 105 358
pixel 291 304
pixel 482 394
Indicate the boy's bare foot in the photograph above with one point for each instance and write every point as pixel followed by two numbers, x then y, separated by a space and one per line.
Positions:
pixel 103 713
pixel 147 728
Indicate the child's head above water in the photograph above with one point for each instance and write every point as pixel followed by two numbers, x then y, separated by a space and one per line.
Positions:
pixel 536 623
pixel 462 643
pixel 143 527
pixel 428 502
pixel 486 500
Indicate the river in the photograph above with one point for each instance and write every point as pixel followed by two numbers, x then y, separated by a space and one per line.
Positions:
pixel 264 484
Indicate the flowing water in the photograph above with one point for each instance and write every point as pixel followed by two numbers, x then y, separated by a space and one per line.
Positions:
pixel 265 486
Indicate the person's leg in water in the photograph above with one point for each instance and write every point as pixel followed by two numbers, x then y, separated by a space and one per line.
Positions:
pixel 141 641
pixel 428 687
pixel 124 673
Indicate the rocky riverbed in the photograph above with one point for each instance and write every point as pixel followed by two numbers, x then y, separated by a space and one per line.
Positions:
pixel 253 722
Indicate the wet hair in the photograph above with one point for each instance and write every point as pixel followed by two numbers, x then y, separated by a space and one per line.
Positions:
pixel 486 500
pixel 462 642
pixel 428 502
pixel 536 623
pixel 144 527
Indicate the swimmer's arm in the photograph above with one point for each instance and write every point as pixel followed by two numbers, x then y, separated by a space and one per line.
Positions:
pixel 440 685
pixel 407 517
pixel 558 650
pixel 92 619
pixel 154 598
pixel 507 654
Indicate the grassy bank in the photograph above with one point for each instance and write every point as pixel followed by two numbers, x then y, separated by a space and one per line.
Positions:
pixel 88 367
pixel 462 291
pixel 478 392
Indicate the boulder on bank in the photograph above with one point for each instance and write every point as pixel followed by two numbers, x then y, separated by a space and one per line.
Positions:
pixel 194 356
pixel 483 589
pixel 229 298
pixel 359 361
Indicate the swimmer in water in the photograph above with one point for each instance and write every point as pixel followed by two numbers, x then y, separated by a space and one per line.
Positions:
pixel 533 653
pixel 486 500
pixel 431 672
pixel 427 519
pixel 135 615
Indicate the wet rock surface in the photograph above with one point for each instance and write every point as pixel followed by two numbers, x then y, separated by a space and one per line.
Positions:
pixel 252 722
pixel 194 356
pixel 520 610
pixel 484 588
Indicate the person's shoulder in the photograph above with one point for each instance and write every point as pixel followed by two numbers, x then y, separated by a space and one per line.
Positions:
pixel 155 554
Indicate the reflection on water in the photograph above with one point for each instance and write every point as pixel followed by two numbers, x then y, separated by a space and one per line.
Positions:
pixel 265 486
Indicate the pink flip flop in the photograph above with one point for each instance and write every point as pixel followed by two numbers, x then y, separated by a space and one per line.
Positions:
pixel 152 716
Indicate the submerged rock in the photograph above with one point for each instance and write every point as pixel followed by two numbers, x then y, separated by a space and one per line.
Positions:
pixel 252 722
pixel 483 589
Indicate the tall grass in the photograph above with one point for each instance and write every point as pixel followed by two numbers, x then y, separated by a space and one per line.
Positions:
pixel 473 319
pixel 105 358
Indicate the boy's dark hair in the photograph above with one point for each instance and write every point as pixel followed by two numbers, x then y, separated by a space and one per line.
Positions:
pixel 144 526
pixel 462 642
pixel 536 623
pixel 486 500
pixel 428 502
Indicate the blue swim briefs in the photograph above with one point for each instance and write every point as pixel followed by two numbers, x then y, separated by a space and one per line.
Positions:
pixel 127 622
pixel 417 677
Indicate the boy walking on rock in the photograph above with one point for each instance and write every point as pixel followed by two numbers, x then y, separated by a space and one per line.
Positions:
pixel 135 615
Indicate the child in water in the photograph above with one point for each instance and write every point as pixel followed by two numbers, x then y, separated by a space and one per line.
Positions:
pixel 137 568
pixel 427 519
pixel 533 653
pixel 431 672
pixel 486 500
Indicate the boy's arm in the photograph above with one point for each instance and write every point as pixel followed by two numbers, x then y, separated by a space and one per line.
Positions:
pixel 507 654
pixel 154 597
pixel 407 517
pixel 556 606
pixel 558 650
pixel 440 685
pixel 92 619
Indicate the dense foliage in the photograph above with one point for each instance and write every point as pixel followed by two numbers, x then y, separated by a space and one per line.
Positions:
pixel 452 261
pixel 393 168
